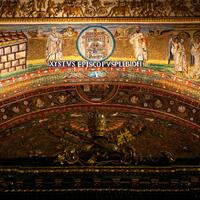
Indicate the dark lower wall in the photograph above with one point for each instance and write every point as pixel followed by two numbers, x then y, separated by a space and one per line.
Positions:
pixel 101 196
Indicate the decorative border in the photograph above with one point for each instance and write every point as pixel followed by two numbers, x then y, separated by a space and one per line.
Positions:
pixel 99 169
pixel 103 179
pixel 100 20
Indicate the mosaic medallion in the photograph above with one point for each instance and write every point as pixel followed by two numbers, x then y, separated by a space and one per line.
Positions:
pixel 95 43
pixel 97 93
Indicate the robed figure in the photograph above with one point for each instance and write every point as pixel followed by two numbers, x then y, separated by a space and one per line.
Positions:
pixel 138 42
pixel 54 46
pixel 195 52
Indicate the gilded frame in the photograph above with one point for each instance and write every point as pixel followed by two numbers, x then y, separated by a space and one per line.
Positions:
pixel 185 20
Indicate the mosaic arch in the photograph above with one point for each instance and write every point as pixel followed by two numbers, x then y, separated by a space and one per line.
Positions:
pixel 96 66
pixel 99 86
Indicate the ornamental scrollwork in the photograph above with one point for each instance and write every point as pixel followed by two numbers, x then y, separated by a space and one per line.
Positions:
pixel 98 8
